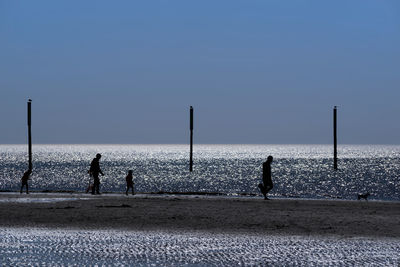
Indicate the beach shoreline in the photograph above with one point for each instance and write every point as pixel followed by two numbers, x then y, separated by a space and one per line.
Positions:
pixel 214 214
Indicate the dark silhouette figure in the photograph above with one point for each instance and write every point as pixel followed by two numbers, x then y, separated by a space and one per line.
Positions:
pixel 90 185
pixel 24 180
pixel 267 185
pixel 95 171
pixel 129 182
pixel 364 196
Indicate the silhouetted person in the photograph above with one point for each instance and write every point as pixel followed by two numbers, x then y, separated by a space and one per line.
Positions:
pixel 267 185
pixel 90 185
pixel 95 171
pixel 24 180
pixel 129 182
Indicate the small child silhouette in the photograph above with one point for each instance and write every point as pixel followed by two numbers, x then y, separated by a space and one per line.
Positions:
pixel 24 180
pixel 129 182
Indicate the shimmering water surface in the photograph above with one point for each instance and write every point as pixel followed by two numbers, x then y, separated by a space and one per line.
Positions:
pixel 298 170
pixel 43 247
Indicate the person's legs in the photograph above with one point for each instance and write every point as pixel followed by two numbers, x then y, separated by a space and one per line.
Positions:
pixel 262 189
pixel 27 188
pixel 268 188
pixel 96 183
pixel 98 186
pixel 93 187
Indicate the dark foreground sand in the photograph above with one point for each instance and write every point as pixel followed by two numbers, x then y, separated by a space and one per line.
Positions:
pixel 202 213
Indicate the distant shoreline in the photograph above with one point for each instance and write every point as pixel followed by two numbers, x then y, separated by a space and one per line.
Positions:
pixel 211 144
pixel 146 193
pixel 192 193
pixel 202 213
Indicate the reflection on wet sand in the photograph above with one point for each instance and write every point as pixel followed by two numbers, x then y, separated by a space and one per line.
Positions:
pixel 121 248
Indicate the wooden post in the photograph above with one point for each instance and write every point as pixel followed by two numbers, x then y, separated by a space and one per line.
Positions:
pixel 29 134
pixel 191 140
pixel 335 138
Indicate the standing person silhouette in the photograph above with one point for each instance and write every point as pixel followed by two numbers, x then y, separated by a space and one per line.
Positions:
pixel 24 180
pixel 129 182
pixel 267 185
pixel 95 171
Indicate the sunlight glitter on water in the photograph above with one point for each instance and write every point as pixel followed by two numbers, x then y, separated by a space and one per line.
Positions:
pixel 298 170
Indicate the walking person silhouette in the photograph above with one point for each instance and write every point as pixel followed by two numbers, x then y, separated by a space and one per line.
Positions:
pixel 95 171
pixel 267 184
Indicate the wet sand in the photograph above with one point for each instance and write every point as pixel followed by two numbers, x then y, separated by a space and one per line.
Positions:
pixel 60 247
pixel 214 214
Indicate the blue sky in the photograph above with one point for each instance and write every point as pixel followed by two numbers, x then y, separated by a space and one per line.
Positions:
pixel 255 71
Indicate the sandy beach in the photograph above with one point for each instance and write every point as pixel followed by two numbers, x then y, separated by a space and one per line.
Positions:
pixel 213 214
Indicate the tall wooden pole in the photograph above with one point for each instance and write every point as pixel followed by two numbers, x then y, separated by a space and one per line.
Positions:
pixel 29 134
pixel 191 139
pixel 335 138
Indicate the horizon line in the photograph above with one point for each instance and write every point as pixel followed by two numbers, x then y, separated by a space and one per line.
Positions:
pixel 198 144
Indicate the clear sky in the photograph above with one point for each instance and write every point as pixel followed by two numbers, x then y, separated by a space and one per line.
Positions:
pixel 262 71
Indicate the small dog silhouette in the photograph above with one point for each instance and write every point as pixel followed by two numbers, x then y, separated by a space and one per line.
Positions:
pixel 364 196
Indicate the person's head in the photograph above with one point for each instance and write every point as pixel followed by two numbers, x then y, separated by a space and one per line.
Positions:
pixel 270 158
pixel 98 156
pixel 130 171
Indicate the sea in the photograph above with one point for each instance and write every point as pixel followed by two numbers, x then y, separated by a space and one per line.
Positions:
pixel 298 171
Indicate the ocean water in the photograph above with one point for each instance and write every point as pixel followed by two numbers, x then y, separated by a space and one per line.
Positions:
pixel 304 171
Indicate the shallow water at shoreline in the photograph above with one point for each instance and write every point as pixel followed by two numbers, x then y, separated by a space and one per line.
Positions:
pixel 298 170
pixel 57 247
